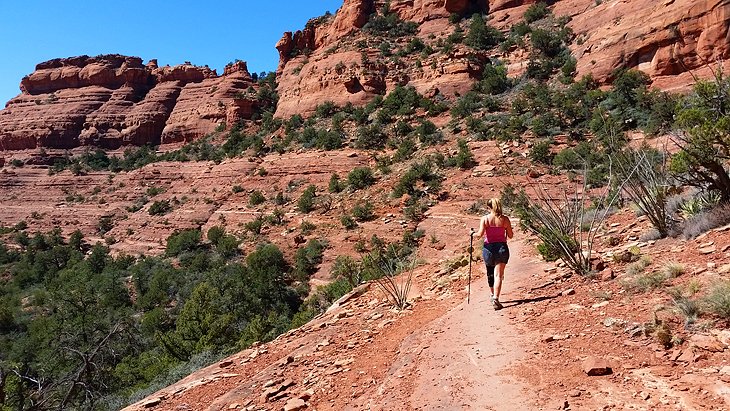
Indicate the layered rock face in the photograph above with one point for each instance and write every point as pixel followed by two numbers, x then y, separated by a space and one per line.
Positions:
pixel 666 39
pixel 670 40
pixel 114 100
pixel 340 69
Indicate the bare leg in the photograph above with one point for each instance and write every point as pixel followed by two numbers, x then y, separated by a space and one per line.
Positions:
pixel 498 280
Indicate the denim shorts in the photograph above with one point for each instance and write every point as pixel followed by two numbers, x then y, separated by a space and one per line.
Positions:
pixel 495 253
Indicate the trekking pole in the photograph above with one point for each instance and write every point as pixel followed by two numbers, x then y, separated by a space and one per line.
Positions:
pixel 471 250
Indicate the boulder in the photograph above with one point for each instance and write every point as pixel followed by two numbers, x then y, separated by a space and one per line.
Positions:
pixel 594 366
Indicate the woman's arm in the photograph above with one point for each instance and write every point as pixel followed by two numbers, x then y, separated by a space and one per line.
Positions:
pixel 480 233
pixel 507 226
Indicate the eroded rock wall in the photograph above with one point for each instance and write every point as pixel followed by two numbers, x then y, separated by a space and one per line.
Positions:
pixel 114 100
pixel 671 40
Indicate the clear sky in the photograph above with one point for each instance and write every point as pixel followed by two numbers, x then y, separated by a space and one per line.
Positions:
pixel 172 31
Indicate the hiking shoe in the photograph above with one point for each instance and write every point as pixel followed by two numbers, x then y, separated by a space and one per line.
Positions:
pixel 497 305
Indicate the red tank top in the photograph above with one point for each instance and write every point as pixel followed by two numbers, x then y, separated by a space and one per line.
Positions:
pixel 495 235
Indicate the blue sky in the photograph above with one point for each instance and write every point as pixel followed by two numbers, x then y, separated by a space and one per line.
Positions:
pixel 32 31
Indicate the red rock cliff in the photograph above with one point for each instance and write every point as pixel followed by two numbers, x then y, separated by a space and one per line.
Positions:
pixel 669 39
pixel 114 100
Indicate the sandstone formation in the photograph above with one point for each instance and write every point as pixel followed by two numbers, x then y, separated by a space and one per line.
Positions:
pixel 670 40
pixel 664 39
pixel 114 100
pixel 335 68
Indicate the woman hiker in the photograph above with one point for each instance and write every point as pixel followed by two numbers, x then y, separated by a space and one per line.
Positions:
pixel 496 229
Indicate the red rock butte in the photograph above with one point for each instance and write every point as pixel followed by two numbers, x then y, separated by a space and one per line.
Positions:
pixel 112 100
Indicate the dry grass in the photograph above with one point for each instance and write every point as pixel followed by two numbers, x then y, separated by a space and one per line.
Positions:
pixel 689 308
pixel 718 299
pixel 639 266
pixel 706 221
pixel 674 269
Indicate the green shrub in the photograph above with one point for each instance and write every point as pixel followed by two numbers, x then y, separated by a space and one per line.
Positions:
pixel 104 225
pixel 255 226
pixel 370 137
pixel 388 23
pixel 307 227
pixel 363 211
pixel 305 203
pixel 494 80
pixel 360 177
pixel 307 258
pixel 346 267
pixel 415 209
pixel 464 158
pixel 405 150
pixel 237 189
pixel 182 241
pixel 536 12
pixel 422 171
pixel 334 185
pixel 540 152
pixel 153 191
pixel 428 133
pixel 280 199
pixel 215 233
pixel 482 36
pixel 256 198
pixel 160 207
pixel 22 225
pixel 645 282
pixel 348 222
pixel 326 109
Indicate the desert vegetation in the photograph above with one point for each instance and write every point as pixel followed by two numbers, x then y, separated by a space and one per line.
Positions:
pixel 82 328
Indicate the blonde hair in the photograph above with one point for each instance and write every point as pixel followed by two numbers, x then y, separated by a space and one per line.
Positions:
pixel 496 205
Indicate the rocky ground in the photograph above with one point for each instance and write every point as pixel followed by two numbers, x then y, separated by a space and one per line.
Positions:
pixel 443 354
pixel 440 353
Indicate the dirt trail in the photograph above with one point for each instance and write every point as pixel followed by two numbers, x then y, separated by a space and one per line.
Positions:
pixel 461 360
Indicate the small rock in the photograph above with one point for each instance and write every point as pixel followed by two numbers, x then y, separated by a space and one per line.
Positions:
pixel 606 275
pixel 725 370
pixel 342 363
pixel 706 342
pixel 288 360
pixel 708 250
pixel 610 322
pixel 644 395
pixel 574 394
pixel 634 330
pixel 687 356
pixel 152 402
pixel 599 305
pixel 225 363
pixel 567 292
pixel 306 395
pixel 295 404
pixel 594 366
